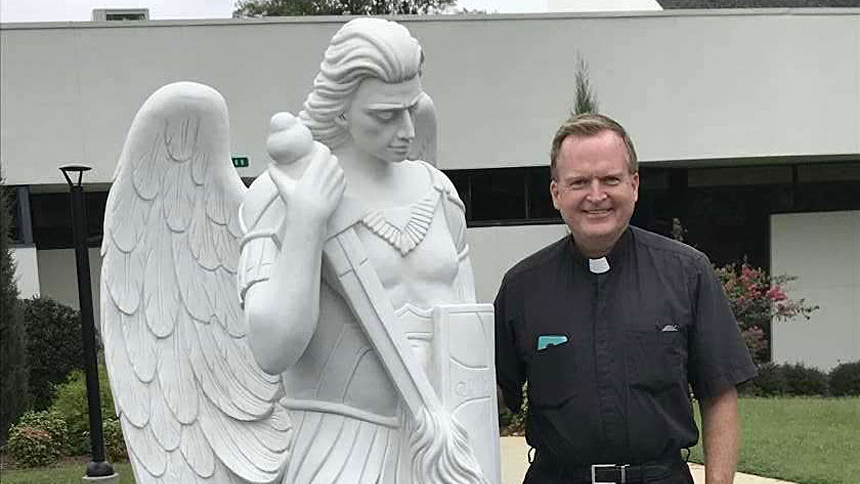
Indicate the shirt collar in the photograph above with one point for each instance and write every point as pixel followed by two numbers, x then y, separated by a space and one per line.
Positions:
pixel 614 258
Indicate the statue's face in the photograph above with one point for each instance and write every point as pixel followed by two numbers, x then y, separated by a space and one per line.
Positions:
pixel 379 118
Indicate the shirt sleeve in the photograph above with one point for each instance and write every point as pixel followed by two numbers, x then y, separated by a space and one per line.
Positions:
pixel 510 372
pixel 718 356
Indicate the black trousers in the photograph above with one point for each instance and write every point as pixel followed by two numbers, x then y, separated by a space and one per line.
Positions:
pixel 680 474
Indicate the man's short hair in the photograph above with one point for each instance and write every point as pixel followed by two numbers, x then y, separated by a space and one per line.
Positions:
pixel 587 125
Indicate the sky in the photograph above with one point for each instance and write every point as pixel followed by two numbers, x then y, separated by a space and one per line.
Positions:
pixel 81 10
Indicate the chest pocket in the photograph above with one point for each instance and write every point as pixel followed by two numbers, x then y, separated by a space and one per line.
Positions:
pixel 552 375
pixel 656 359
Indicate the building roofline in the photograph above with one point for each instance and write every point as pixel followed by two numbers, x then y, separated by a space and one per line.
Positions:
pixel 496 17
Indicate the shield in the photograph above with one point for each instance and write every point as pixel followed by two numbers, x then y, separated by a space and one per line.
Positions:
pixel 463 373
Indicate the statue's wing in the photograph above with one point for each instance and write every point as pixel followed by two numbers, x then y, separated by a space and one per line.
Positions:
pixel 195 406
pixel 424 117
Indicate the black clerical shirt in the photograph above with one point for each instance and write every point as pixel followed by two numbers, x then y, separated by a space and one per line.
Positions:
pixel 609 357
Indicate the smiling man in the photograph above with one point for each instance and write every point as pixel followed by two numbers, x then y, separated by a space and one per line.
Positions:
pixel 610 327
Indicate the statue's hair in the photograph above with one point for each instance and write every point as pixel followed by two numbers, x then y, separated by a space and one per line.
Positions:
pixel 361 49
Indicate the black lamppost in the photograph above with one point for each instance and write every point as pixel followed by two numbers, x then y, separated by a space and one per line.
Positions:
pixel 98 467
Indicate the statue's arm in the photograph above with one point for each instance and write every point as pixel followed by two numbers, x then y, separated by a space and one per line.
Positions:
pixel 282 311
pixel 282 304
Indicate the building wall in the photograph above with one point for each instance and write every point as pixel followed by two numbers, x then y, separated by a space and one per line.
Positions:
pixel 688 85
pixel 26 271
pixel 59 277
pixel 494 250
pixel 823 251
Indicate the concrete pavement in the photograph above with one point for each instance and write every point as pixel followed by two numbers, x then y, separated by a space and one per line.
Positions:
pixel 515 462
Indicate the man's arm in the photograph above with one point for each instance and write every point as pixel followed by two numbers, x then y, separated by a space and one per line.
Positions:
pixel 720 434
pixel 510 372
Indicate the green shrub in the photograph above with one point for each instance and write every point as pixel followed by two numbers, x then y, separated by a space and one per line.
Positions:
pixel 38 439
pixel 114 441
pixel 71 403
pixel 770 381
pixel 802 380
pixel 787 379
pixel 51 422
pixel 54 348
pixel 514 423
pixel 13 339
pixel 845 379
pixel 749 389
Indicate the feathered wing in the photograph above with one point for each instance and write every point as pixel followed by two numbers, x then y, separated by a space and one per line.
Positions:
pixel 426 125
pixel 195 406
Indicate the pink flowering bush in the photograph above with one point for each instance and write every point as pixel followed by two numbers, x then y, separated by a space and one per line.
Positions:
pixel 757 299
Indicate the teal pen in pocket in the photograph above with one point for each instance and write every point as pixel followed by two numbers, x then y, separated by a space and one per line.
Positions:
pixel 547 340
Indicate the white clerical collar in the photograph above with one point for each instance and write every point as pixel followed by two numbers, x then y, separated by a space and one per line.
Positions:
pixel 598 266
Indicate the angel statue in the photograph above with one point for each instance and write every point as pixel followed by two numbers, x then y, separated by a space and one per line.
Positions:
pixel 319 326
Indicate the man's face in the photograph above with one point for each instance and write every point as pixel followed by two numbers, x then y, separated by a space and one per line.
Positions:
pixel 380 117
pixel 594 190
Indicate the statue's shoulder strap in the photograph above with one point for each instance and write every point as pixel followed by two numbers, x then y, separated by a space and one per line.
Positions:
pixel 455 209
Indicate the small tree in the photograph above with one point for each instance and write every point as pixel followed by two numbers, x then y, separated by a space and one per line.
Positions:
pixel 585 99
pixel 287 8
pixel 756 300
pixel 13 355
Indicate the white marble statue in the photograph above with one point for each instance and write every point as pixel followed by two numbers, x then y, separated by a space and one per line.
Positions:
pixel 354 352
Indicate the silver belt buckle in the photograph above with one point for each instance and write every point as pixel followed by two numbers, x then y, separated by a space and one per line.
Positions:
pixel 622 468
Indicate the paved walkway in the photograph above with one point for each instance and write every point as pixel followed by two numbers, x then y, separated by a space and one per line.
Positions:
pixel 515 462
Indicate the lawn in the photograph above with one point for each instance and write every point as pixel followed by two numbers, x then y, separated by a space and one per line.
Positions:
pixel 64 473
pixel 804 440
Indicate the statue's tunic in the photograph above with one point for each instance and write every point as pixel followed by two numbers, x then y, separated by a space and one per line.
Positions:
pixel 347 414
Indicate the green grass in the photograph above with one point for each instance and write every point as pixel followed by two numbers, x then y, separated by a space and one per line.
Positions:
pixel 65 473
pixel 804 440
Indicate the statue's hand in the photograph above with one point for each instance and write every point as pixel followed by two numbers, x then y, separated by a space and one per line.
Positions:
pixel 307 175
pixel 313 197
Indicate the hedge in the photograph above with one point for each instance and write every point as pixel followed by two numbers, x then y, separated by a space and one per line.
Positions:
pixel 54 348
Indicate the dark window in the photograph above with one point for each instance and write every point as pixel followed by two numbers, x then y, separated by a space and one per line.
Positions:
pixel 731 224
pixel 539 199
pixel 725 211
pixel 498 195
pixel 505 196
pixel 655 208
pixel 125 16
pixel 52 219
pixel 825 187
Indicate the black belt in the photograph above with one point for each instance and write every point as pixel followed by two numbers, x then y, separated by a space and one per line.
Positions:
pixel 610 473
